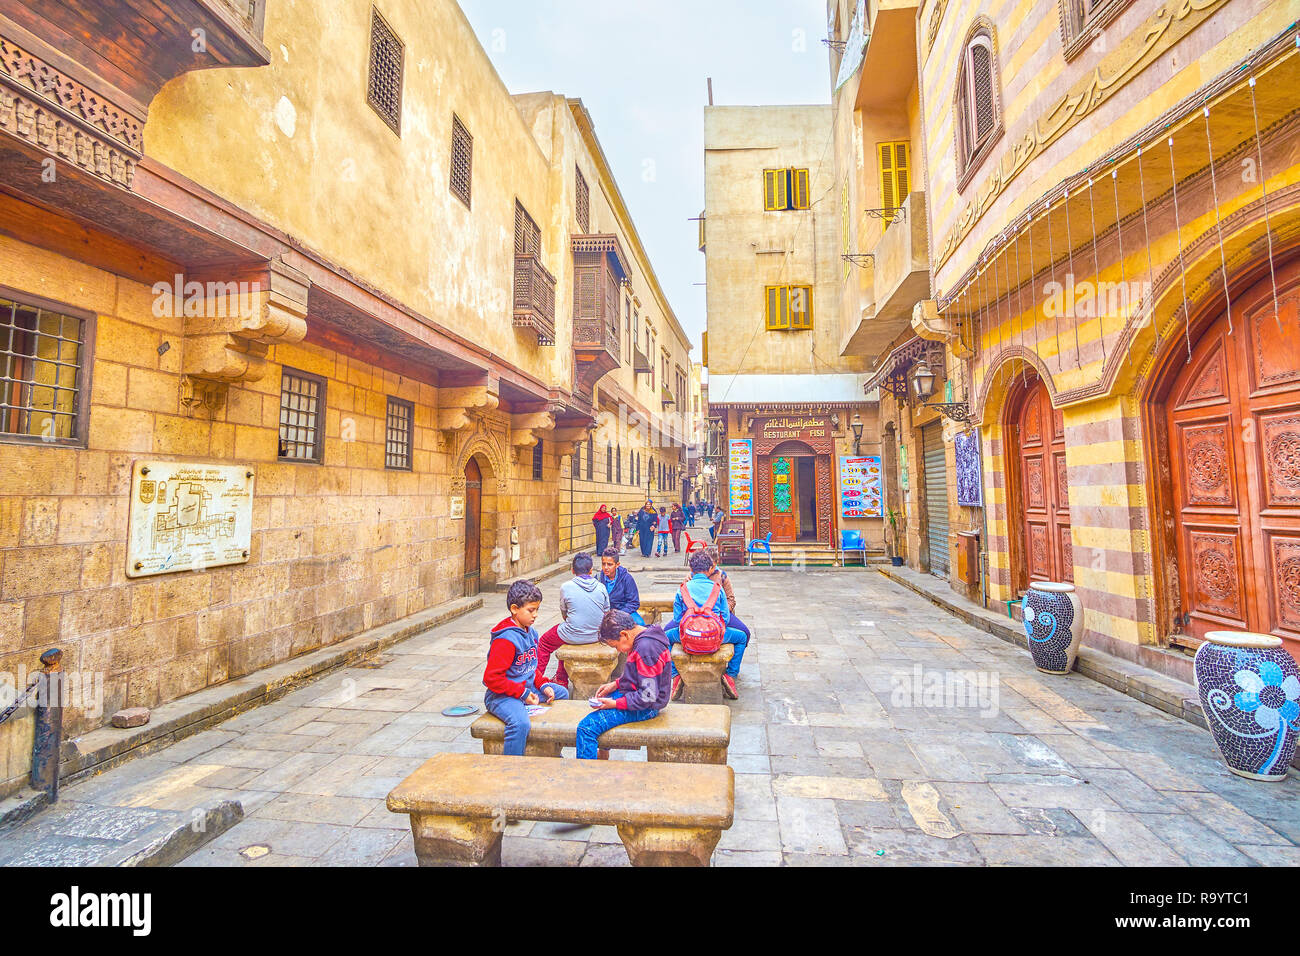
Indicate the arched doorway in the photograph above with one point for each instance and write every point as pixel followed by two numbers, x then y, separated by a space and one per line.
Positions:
pixel 473 527
pixel 1231 415
pixel 1040 493
pixel 793 472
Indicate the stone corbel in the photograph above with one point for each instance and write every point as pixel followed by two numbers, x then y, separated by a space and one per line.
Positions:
pixel 527 429
pixel 231 319
pixel 457 405
pixel 928 324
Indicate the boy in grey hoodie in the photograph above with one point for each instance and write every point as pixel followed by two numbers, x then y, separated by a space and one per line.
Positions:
pixel 583 603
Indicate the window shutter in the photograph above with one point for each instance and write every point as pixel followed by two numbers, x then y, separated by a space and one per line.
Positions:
pixel 886 179
pixel 801 198
pixel 778 307
pixel 769 189
pixel 902 174
pixel 801 307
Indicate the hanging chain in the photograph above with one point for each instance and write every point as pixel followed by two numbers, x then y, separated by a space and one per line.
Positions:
pixel 1218 224
pixel 1263 182
pixel 1151 272
pixel 1020 304
pixel 1096 265
pixel 1123 276
pixel 22 699
pixel 1182 268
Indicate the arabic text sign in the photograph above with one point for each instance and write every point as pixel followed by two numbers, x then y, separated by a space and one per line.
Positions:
pixel 187 517
pixel 740 471
pixel 860 487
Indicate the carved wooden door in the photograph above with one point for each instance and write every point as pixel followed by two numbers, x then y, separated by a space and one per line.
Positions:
pixel 1044 489
pixel 1234 445
pixel 785 521
pixel 473 524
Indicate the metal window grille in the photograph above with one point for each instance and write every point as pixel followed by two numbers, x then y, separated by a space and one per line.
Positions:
pixel 398 430
pixel 41 361
pixel 618 463
pixel 609 463
pixel 537 461
pixel 583 202
pixel 462 161
pixel 591 454
pixel 384 86
pixel 302 400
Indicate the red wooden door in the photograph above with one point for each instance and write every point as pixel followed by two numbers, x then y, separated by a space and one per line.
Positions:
pixel 1234 444
pixel 473 524
pixel 1044 489
pixel 785 502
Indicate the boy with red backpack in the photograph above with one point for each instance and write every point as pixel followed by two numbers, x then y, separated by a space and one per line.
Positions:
pixel 701 616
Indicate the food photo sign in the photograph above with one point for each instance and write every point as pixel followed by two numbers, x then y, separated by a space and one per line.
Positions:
pixel 860 487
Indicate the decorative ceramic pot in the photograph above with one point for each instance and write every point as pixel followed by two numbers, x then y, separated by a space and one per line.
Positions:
pixel 1250 691
pixel 1053 623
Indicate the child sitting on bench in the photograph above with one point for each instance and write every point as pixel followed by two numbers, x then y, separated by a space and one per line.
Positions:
pixel 640 693
pixel 512 668
pixel 705 574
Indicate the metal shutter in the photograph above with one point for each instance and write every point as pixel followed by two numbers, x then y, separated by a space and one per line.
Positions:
pixel 936 497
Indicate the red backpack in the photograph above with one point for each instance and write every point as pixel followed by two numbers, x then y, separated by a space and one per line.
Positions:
pixel 700 629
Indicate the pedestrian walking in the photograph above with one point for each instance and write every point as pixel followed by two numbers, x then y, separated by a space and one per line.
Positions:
pixel 601 522
pixel 676 522
pixel 645 528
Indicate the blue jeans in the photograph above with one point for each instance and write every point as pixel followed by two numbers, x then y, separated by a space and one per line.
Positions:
pixel 598 721
pixel 737 635
pixel 661 544
pixel 514 712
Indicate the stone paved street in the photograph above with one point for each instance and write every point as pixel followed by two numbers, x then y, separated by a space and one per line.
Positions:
pixel 837 760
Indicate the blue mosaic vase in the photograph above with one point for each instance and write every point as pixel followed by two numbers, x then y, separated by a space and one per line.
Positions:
pixel 1250 692
pixel 1053 620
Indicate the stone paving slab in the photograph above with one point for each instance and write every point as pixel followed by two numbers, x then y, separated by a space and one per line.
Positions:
pixel 840 758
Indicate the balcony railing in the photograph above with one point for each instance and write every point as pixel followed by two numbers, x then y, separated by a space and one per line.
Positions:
pixel 535 299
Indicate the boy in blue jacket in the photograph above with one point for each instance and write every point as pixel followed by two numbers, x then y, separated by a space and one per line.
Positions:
pixel 643 689
pixel 621 586
pixel 700 586
pixel 511 669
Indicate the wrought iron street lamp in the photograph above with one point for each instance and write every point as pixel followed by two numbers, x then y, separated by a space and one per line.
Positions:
pixel 856 425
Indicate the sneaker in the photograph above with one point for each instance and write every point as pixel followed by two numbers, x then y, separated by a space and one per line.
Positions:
pixel 678 687
pixel 729 687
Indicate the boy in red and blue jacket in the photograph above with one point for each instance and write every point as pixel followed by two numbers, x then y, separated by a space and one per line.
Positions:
pixel 642 690
pixel 510 675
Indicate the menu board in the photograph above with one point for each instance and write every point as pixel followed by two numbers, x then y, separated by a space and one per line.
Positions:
pixel 860 487
pixel 740 472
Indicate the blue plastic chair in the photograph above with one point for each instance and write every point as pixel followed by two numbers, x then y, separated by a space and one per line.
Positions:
pixel 852 541
pixel 762 547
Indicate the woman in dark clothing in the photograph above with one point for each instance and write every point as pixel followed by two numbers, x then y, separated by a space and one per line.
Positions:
pixel 645 525
pixel 601 521
pixel 677 521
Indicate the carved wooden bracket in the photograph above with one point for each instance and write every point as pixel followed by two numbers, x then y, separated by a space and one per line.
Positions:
pixel 231 319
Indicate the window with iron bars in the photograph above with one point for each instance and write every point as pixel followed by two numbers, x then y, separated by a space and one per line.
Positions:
pixel 462 161
pixel 384 86
pixel 538 460
pixel 302 406
pixel 591 455
pixel 398 429
pixel 43 365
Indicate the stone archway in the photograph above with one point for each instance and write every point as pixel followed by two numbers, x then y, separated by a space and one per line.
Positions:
pixel 492 551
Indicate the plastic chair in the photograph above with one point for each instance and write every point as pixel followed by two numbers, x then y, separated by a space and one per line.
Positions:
pixel 852 541
pixel 762 547
pixel 692 545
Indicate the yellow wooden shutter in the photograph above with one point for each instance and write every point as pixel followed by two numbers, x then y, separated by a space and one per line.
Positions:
pixel 704 347
pixel 799 186
pixel 778 307
pixel 886 151
pixel 902 174
pixel 773 189
pixel 801 307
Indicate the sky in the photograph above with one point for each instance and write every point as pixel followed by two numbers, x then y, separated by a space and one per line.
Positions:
pixel 641 68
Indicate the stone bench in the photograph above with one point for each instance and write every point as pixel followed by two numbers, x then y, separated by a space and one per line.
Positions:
pixel 682 733
pixel 657 605
pixel 702 674
pixel 667 814
pixel 588 666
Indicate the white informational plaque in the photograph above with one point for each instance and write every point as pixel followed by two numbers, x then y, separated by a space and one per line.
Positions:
pixel 188 517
